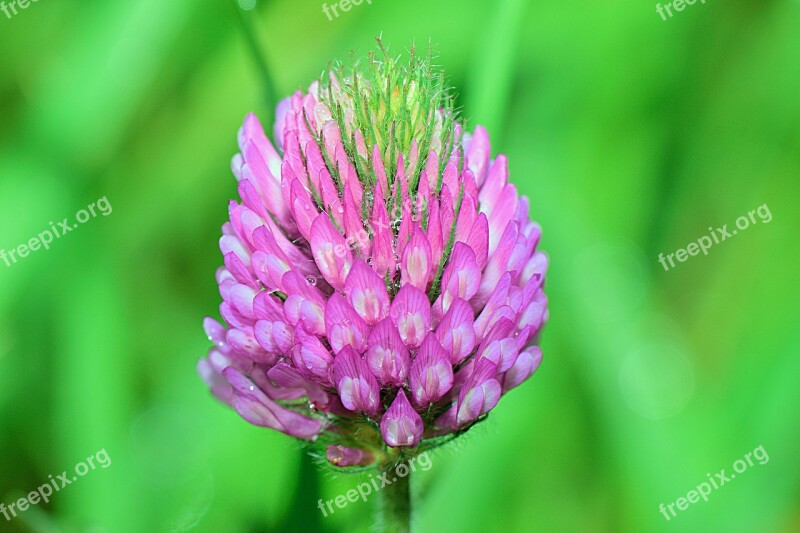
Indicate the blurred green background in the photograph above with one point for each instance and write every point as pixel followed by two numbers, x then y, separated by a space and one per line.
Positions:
pixel 631 136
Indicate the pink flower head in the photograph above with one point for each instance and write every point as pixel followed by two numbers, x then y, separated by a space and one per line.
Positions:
pixel 381 285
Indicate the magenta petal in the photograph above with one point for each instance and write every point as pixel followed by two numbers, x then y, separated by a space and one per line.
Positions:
pixel 308 314
pixel 303 208
pixel 268 307
pixel 526 364
pixel 434 234
pixel 456 331
pixel 417 261
pixel 411 313
pixel 231 244
pixel 387 356
pixel 535 269
pixel 219 385
pixel 479 400
pixel 242 297
pixel 502 353
pixel 239 270
pixel 382 253
pixel 343 325
pixel 401 425
pixel 496 267
pixel 431 374
pixel 478 240
pixel 466 219
pixel 312 358
pixel 447 421
pixel 214 331
pixel 288 377
pixel 330 251
pixel 263 334
pixel 366 292
pixel 243 342
pixel 495 301
pixel 478 154
pixel 535 313
pixel 255 407
pixel 502 215
pixel 344 456
pixel 461 277
pixel 496 181
pixel 357 387
pixel 480 393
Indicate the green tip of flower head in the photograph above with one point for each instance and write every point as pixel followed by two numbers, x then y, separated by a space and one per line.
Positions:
pixel 404 108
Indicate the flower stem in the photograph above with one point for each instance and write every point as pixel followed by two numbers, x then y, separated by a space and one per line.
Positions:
pixel 396 505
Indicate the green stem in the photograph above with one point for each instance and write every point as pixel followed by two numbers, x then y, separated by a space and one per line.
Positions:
pixel 396 505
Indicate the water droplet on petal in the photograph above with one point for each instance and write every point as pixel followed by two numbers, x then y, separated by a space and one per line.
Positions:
pixel 311 280
pixel 252 388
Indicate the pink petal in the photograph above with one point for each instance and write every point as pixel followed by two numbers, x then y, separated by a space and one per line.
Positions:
pixel 344 456
pixel 311 358
pixel 526 364
pixel 417 262
pixel 288 377
pixel 478 239
pixel 382 252
pixel 480 393
pixel 401 425
pixel 461 277
pixel 302 208
pixel 456 332
pixel 434 234
pixel 478 153
pixel 354 228
pixel 367 293
pixel 357 387
pixel 243 342
pixel 503 353
pixel 431 374
pixel 331 254
pixel 496 267
pixel 255 407
pixel 387 356
pixel 411 313
pixel 343 325
pixel 268 307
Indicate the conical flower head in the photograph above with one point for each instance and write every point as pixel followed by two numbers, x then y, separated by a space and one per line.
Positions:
pixel 381 286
